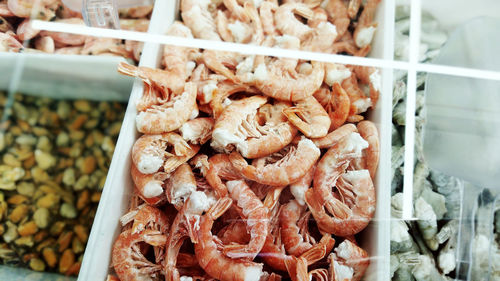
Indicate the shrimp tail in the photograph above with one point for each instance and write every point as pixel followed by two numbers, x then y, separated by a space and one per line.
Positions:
pixel 272 197
pixel 155 238
pixel 192 224
pixel 297 268
pixel 219 208
pixel 127 69
pixel 294 115
pixel 318 251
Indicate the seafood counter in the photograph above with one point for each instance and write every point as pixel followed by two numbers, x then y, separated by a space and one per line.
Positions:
pixel 251 167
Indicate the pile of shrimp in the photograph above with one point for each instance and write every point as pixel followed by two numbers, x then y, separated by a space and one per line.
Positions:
pixel 249 167
pixel 17 35
pixel 328 26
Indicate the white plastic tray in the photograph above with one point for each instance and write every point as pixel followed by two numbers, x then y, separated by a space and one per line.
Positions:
pixel 117 190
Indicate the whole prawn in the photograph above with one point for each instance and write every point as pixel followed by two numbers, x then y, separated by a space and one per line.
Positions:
pixel 196 16
pixel 180 185
pixel 277 83
pixel 359 102
pixel 128 260
pixel 353 213
pixel 309 117
pixel 337 12
pixel 363 34
pixel 336 103
pixel 238 127
pixel 185 225
pixel 353 205
pixel 296 239
pixel 279 172
pixel 152 152
pixel 197 131
pixel 286 21
pixel 255 214
pixel 210 257
pixel 354 259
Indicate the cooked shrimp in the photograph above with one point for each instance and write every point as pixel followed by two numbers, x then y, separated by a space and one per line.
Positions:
pixel 235 232
pixel 255 214
pixel 45 44
pixel 239 126
pixel 220 168
pixel 363 34
pixel 349 262
pixel 336 73
pixel 222 63
pixel 309 117
pixel 137 12
pixel 277 83
pixel 359 102
pixel 149 186
pixel 197 131
pixel 129 261
pixel 297 267
pixel 322 34
pixel 212 260
pixel 287 23
pixel 186 224
pixel 353 8
pixel 352 212
pixel 9 43
pixel 25 31
pixel 370 76
pixel 67 38
pixel 296 240
pixel 279 169
pixel 98 46
pixel 149 152
pixel 273 252
pixel 180 185
pixel 236 10
pixel 338 15
pixel 267 10
pixel 335 136
pixel 299 188
pixel 149 217
pixel 196 16
pixel 176 59
pixel 5 11
pixel 168 116
pixel 224 90
pixel 43 9
pixel 369 132
pixel 68 50
pixel 336 103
